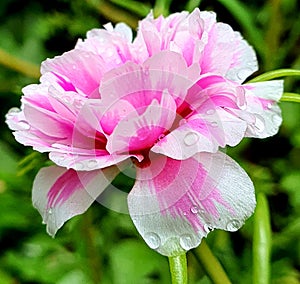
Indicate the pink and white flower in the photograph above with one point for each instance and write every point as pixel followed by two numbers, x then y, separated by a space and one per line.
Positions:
pixel 165 102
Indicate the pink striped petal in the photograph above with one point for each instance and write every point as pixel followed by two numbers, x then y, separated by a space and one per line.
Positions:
pixel 202 133
pixel 59 194
pixel 140 84
pixel 174 207
pixel 140 132
pixel 80 68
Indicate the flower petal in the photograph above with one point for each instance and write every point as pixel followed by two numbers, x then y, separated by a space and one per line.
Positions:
pixel 262 99
pixel 174 204
pixel 138 132
pixel 59 194
pixel 80 68
pixel 202 133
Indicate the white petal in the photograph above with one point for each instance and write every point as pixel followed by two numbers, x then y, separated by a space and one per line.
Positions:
pixel 174 204
pixel 59 194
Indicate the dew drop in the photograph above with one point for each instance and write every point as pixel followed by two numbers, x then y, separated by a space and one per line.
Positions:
pixel 24 125
pixel 68 99
pixel 182 122
pixel 79 166
pixel 241 99
pixel 259 124
pixel 92 164
pixel 191 138
pixel 59 159
pixel 233 225
pixel 210 111
pixel 208 228
pixel 78 103
pixel 214 124
pixel 146 71
pixel 74 67
pixel 161 136
pixel 14 110
pixel 269 106
pixel 50 211
pixel 186 241
pixel 276 119
pixel 184 214
pixel 153 240
pixel 194 209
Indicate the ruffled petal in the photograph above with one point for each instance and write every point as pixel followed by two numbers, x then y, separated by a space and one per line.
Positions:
pixel 79 68
pixel 202 133
pixel 262 101
pixel 59 194
pixel 174 204
pixel 138 132
pixel 140 84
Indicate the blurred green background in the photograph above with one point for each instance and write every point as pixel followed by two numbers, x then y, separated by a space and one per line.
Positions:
pixel 103 246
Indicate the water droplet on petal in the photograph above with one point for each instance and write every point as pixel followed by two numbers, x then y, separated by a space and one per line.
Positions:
pixel 60 158
pixel 269 105
pixel 77 103
pixel 50 211
pixel 214 124
pixel 210 111
pixel 194 209
pixel 208 228
pixel 161 136
pixel 241 98
pixel 79 166
pixel 191 138
pixel 92 164
pixel 14 110
pixel 184 213
pixel 74 67
pixel 146 71
pixel 182 122
pixel 276 119
pixel 233 225
pixel 153 240
pixel 259 124
pixel 67 99
pixel 186 241
pixel 24 125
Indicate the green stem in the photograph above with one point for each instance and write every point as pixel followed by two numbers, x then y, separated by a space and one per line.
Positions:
pixel 113 13
pixel 261 241
pixel 210 264
pixel 162 7
pixel 178 269
pixel 16 64
pixel 275 74
pixel 290 97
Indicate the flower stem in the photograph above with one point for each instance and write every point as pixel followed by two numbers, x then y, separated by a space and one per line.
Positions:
pixel 261 241
pixel 178 269
pixel 290 97
pixel 210 264
pixel 21 66
pixel 161 7
pixel 275 74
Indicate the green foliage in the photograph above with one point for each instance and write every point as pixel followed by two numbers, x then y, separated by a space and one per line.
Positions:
pixel 102 246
